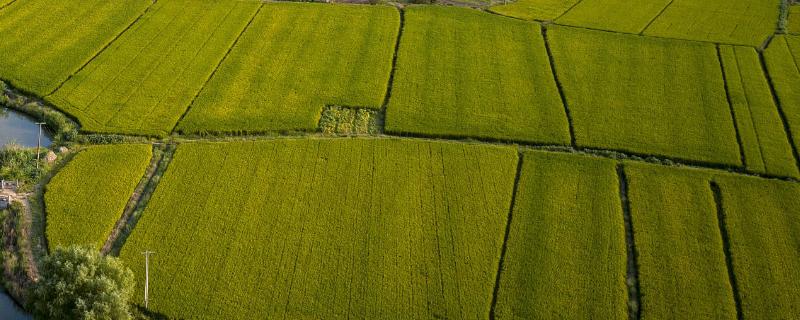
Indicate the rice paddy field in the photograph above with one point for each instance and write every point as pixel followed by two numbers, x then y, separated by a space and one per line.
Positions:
pixel 615 88
pixel 472 91
pixel 280 74
pixel 45 42
pixel 145 81
pixel 87 197
pixel 534 159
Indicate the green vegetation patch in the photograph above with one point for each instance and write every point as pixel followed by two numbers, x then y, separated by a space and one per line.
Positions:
pixel 462 72
pixel 145 80
pixel 566 247
pixel 645 95
pixel 338 120
pixel 293 60
pixel 681 262
pixel 535 9
pixel 45 41
pixel 615 15
pixel 764 142
pixel 762 222
pixel 86 198
pixel 744 22
pixel 782 58
pixel 360 228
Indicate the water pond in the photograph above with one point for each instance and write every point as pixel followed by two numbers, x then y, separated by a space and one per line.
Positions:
pixel 9 310
pixel 19 128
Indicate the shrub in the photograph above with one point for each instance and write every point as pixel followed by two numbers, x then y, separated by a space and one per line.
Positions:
pixel 78 283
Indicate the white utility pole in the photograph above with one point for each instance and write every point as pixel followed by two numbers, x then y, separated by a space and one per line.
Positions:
pixel 146 274
pixel 38 142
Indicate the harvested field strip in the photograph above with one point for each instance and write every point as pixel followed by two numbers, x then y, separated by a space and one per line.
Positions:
pixel 146 79
pixel 86 198
pixel 682 270
pixel 566 248
pixel 47 41
pixel 326 228
pixel 614 15
pixel 762 222
pixel 782 60
pixel 764 143
pixel 742 22
pixel 447 84
pixel 294 59
pixel 545 10
pixel 615 87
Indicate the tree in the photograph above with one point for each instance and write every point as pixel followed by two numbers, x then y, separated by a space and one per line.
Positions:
pixel 79 283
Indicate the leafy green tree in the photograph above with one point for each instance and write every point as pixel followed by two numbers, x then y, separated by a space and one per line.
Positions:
pixel 79 283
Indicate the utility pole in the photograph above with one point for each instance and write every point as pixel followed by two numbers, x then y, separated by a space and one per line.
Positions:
pixel 146 274
pixel 38 143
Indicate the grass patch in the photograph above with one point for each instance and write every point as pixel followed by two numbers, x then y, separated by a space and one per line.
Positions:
pixel 743 22
pixel 567 216
pixel 86 198
pixel 761 219
pixel 45 41
pixel 682 268
pixel 535 9
pixel 764 142
pixel 644 95
pixel 294 59
pixel 448 84
pixel 145 80
pixel 614 15
pixel 326 229
pixel 338 120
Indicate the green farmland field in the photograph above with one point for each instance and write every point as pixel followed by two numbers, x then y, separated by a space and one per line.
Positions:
pixel 645 95
pixel 682 270
pixel 366 228
pixel 87 197
pixel 45 41
pixel 566 247
pixel 448 84
pixel 782 58
pixel 793 25
pixel 614 15
pixel 745 22
pixel 144 82
pixel 766 147
pixel 762 221
pixel 292 61
pixel 463 159
pixel 535 9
